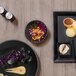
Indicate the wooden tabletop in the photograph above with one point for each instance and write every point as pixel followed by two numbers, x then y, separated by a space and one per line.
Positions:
pixel 27 10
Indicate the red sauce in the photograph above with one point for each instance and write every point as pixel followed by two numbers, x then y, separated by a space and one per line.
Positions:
pixel 68 21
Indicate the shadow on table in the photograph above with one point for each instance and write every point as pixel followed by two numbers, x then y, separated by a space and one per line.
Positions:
pixel 39 66
pixel 15 22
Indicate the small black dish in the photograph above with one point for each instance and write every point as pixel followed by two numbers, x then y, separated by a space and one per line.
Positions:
pixel 36 31
pixel 68 53
pixel 31 67
pixel 68 57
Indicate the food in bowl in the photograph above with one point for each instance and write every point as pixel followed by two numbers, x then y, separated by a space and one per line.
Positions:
pixel 36 31
pixel 63 49
pixel 70 25
pixel 14 56
pixel 68 22
pixel 74 26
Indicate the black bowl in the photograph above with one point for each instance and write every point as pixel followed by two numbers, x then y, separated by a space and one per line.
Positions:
pixel 33 25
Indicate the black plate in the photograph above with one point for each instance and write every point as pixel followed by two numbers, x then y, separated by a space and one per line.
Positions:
pixel 31 67
pixel 60 37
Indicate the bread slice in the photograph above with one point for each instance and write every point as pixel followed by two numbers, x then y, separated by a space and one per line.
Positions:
pixel 18 70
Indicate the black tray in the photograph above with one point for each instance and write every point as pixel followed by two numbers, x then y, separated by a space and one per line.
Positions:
pixel 31 67
pixel 60 37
